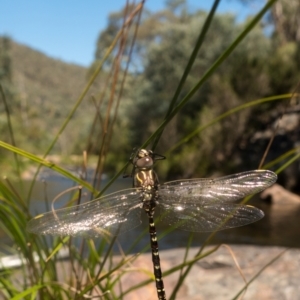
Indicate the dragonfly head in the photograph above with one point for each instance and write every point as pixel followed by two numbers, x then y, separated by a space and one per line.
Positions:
pixel 144 159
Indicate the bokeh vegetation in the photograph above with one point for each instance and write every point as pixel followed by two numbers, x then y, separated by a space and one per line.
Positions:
pixel 41 91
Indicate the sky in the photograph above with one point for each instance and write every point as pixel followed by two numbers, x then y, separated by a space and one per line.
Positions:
pixel 68 30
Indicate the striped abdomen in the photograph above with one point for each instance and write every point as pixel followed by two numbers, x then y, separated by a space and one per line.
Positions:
pixel 147 180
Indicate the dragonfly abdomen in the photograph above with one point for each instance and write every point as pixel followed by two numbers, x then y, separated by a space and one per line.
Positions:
pixel 146 178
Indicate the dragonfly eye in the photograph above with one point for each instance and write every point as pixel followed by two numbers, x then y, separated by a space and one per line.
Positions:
pixel 144 162
pixel 146 158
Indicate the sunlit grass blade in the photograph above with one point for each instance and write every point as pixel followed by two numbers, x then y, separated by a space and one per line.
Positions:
pixel 171 271
pixel 58 247
pixel 85 90
pixel 11 132
pixel 6 285
pixel 227 114
pixel 281 158
pixel 30 291
pixel 213 68
pixel 258 273
pixel 47 164
pixel 190 63
pixel 288 163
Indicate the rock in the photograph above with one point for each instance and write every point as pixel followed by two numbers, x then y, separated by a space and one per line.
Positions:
pixel 217 276
pixel 280 195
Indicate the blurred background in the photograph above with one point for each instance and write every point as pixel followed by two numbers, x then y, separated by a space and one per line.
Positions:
pixel 49 50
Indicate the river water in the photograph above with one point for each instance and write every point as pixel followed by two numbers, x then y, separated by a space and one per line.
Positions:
pixel 279 227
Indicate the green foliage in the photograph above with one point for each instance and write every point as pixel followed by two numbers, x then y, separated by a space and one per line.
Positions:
pixel 164 63
pixel 163 46
pixel 284 68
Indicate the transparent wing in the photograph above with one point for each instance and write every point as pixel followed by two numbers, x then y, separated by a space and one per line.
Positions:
pixel 205 204
pixel 108 215
pixel 224 189
pixel 208 216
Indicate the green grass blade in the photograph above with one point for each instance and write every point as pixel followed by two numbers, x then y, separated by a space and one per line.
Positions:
pixel 31 290
pixel 281 158
pixel 190 63
pixel 47 164
pixel 58 247
pixel 212 69
pixel 258 273
pixel 227 114
pixel 84 92
pixel 289 162
pixel 11 132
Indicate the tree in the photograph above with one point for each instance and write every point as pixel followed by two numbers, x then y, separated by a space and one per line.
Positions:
pixel 242 77
pixel 163 46
pixel 285 15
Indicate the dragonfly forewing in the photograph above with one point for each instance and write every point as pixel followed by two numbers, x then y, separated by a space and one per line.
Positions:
pixel 106 216
pixel 205 204
pixel 224 189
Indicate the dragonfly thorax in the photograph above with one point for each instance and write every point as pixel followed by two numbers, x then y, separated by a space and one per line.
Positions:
pixel 144 176
pixel 146 179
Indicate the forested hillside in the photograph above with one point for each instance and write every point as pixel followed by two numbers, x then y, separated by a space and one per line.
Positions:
pixel 40 92
pixel 43 81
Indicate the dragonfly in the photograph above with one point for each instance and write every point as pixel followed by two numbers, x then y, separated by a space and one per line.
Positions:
pixel 195 205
